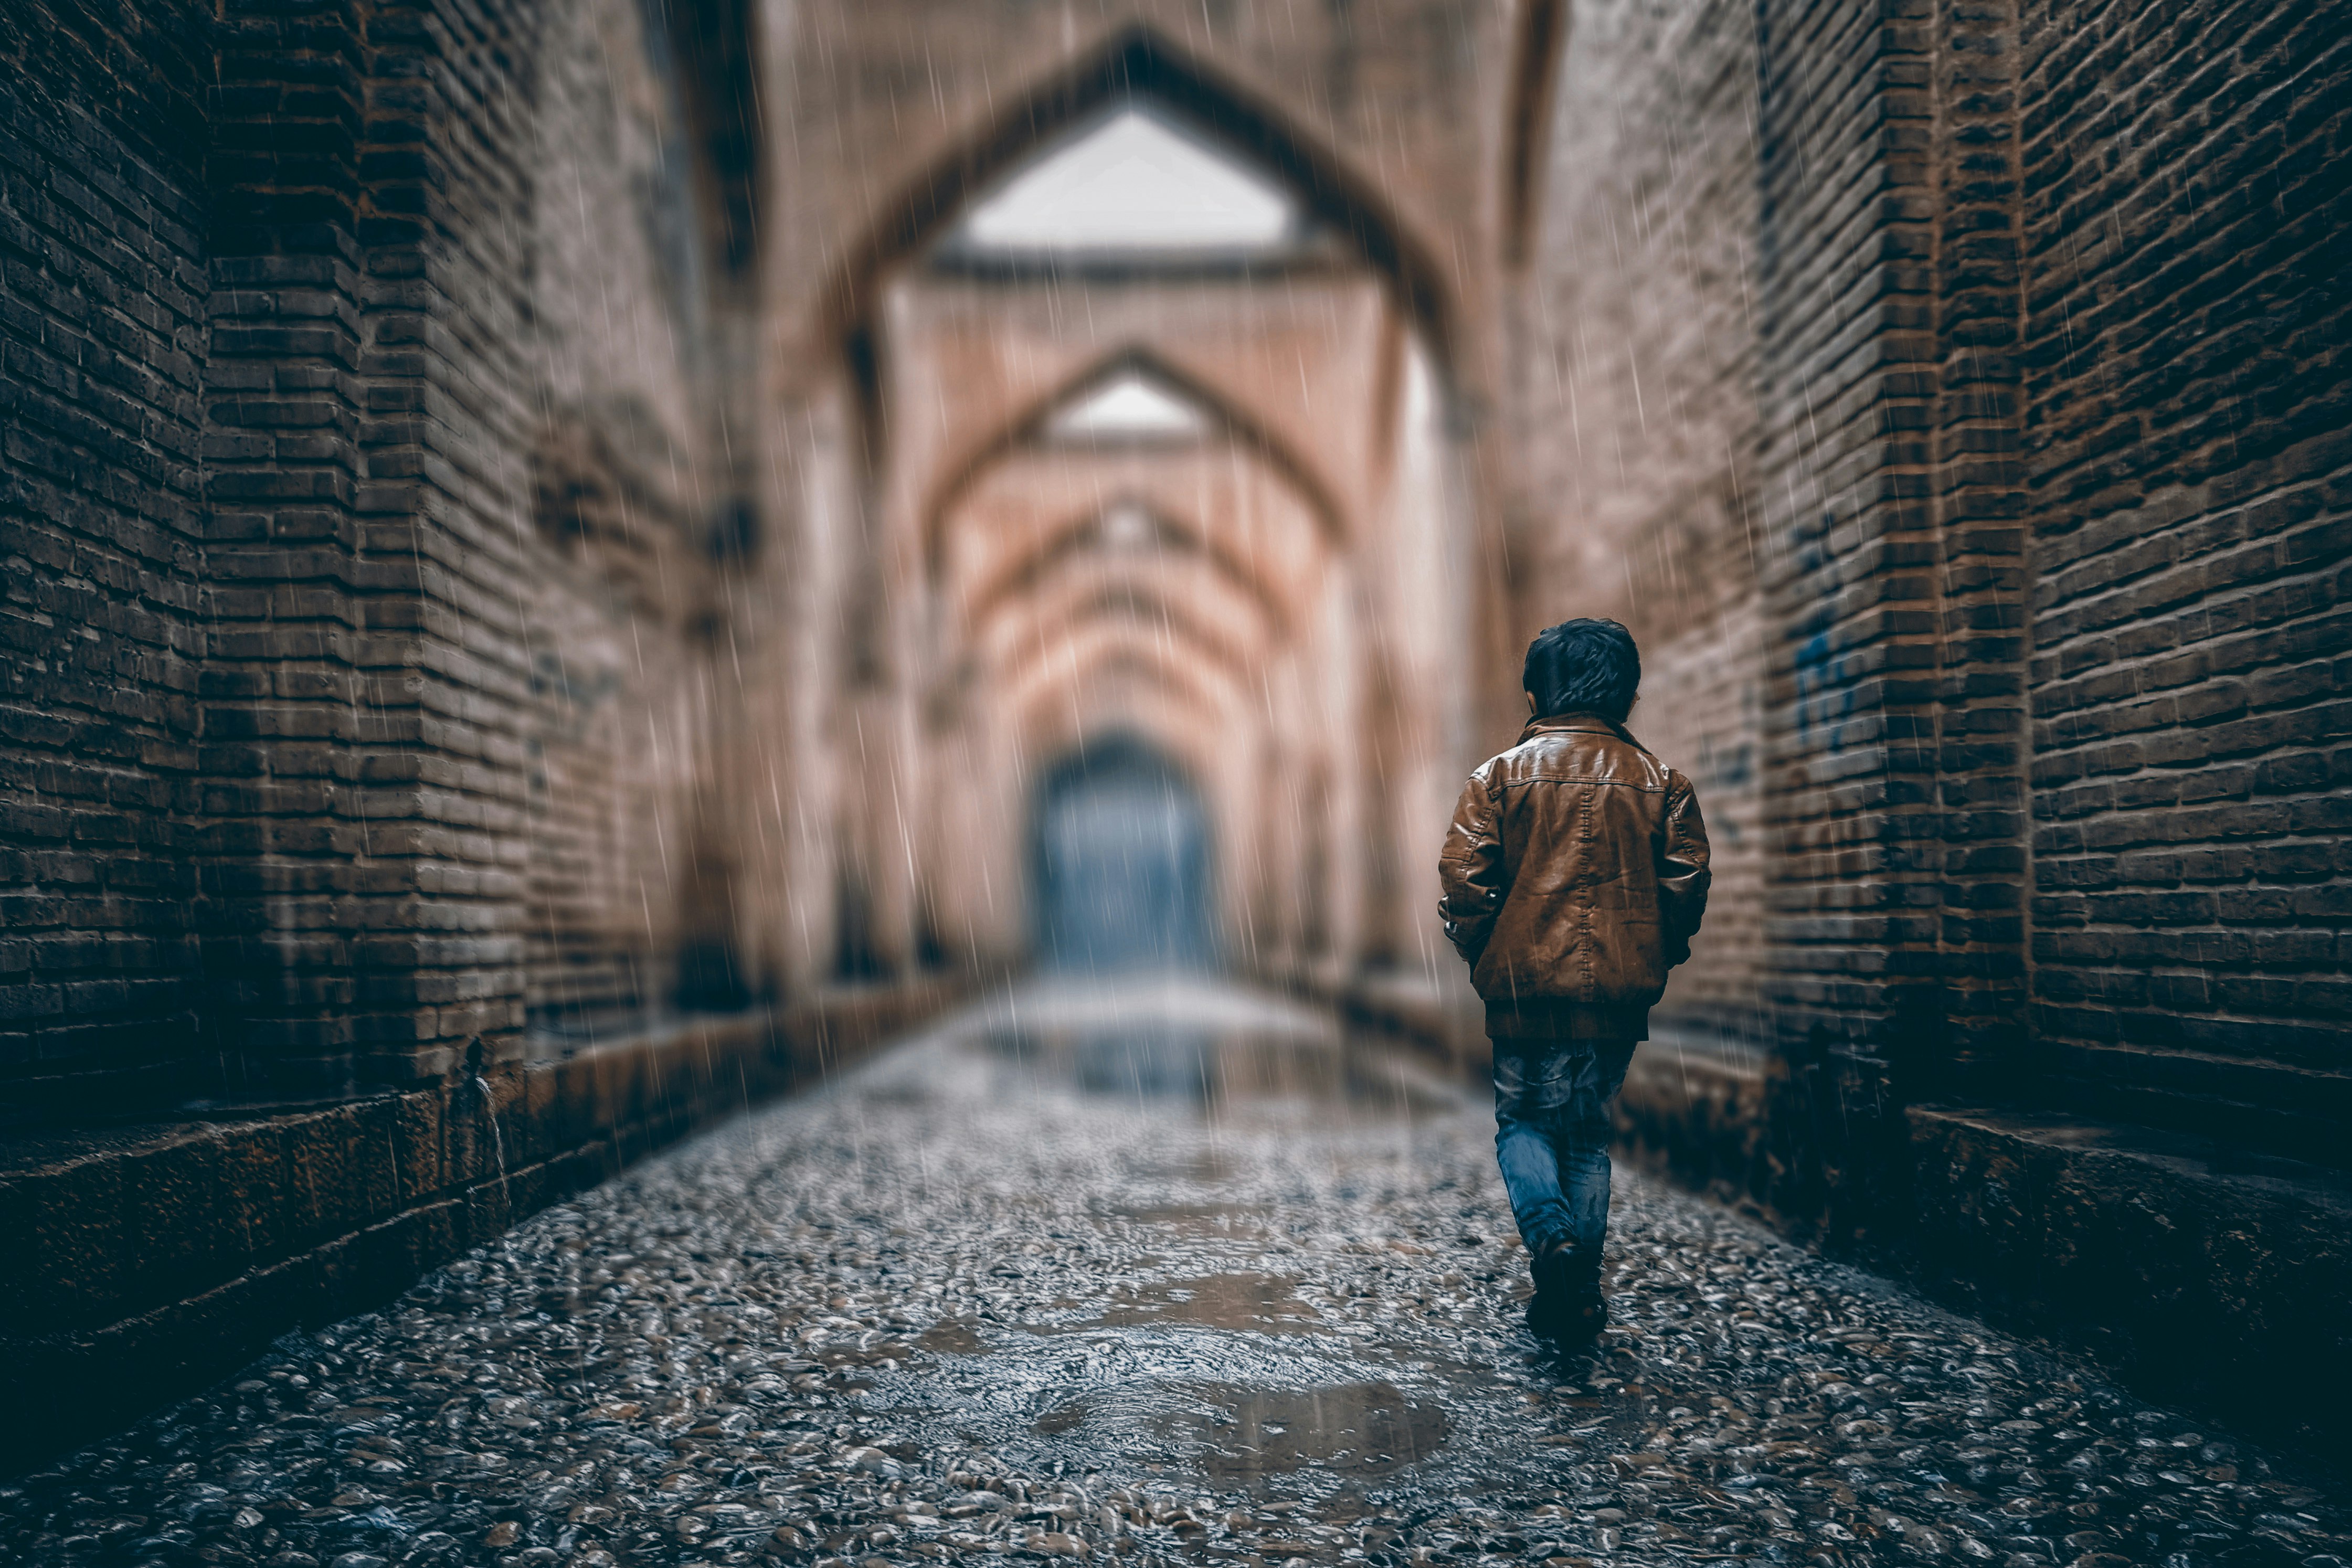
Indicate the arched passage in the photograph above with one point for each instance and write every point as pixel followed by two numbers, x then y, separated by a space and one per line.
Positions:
pixel 1098 473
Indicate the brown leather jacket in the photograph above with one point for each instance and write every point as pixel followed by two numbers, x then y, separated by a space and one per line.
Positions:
pixel 1574 877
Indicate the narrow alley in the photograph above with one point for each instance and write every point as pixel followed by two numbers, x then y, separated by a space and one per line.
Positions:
pixel 1158 1273
pixel 782 783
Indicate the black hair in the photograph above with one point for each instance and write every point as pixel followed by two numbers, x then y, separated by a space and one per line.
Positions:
pixel 1583 667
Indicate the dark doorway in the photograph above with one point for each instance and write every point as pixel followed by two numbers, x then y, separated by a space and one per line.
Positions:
pixel 1122 864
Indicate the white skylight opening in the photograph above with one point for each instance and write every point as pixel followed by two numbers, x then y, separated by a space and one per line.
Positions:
pixel 1131 184
pixel 1130 406
pixel 1127 528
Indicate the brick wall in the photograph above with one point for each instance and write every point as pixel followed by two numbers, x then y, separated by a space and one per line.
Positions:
pixel 2058 281
pixel 2050 467
pixel 1831 915
pixel 448 363
pixel 341 733
pixel 2186 405
pixel 361 927
pixel 1772 424
pixel 553 470
pixel 624 596
pixel 621 736
pixel 1704 694
pixel 1636 418
pixel 102 337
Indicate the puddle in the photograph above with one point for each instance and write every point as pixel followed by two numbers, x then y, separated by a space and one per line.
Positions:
pixel 1193 1220
pixel 1172 1063
pixel 1246 1304
pixel 1135 1061
pixel 1060 1419
pixel 1295 1413
pixel 1362 1430
pixel 1206 1168
pixel 951 1336
pixel 1203 1067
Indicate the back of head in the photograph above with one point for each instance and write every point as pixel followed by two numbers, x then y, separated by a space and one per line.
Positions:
pixel 1583 667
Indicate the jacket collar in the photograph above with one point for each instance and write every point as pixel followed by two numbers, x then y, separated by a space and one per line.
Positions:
pixel 1582 723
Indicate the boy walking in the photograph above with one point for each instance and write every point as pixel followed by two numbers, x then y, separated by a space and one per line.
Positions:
pixel 1574 877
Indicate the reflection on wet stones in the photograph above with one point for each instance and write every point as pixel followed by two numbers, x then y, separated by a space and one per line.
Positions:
pixel 1362 1430
pixel 1199 1066
pixel 1060 1419
pixel 1178 1041
pixel 951 1336
pixel 1256 1303
pixel 1190 1219
pixel 1146 1062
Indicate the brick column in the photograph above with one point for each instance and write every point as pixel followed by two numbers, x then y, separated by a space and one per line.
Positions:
pixel 1977 490
pixel 362 835
pixel 1888 312
pixel 288 867
pixel 445 509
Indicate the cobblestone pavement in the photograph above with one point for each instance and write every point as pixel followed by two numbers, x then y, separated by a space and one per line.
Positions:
pixel 1012 1288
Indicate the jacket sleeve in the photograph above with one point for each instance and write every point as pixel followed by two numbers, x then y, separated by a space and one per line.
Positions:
pixel 1470 871
pixel 1683 875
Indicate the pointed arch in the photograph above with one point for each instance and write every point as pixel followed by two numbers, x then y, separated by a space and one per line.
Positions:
pixel 1132 189
pixel 1113 624
pixel 1181 693
pixel 1235 425
pixel 1106 650
pixel 1018 642
pixel 1139 63
pixel 1080 534
pixel 1226 626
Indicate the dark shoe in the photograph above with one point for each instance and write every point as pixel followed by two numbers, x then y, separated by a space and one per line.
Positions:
pixel 1555 1271
pixel 1587 1314
pixel 1568 1307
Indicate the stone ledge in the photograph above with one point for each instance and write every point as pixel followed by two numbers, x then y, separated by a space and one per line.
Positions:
pixel 2203 1275
pixel 1697 1109
pixel 145 1262
pixel 2200 1275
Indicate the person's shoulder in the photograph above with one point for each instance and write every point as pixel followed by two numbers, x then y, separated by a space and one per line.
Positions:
pixel 1645 766
pixel 1516 762
pixel 1486 772
pixel 1585 756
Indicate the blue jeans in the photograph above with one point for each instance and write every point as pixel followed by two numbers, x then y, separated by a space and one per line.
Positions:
pixel 1551 1135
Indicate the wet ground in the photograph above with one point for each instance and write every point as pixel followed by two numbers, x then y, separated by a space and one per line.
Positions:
pixel 1156 1275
